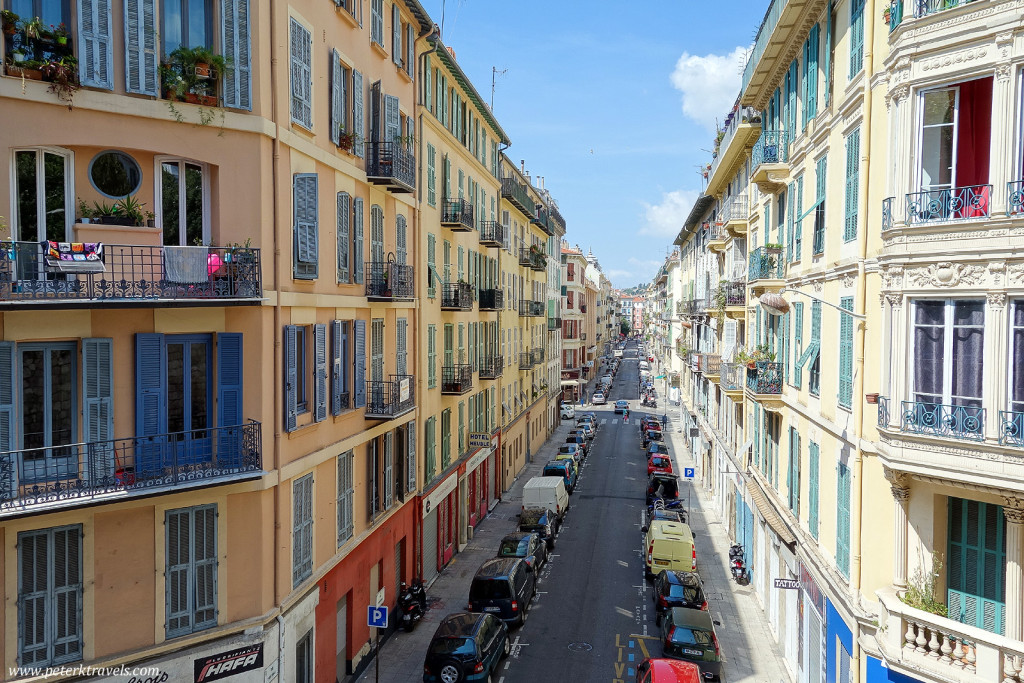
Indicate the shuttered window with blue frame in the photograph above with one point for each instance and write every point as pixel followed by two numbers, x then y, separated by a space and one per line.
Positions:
pixel 852 185
pixel 819 206
pixel 50 596
pixel 306 216
pixel 812 489
pixel 358 114
pixel 344 216
pixel 339 366
pixel 236 83
pixel 302 529
pixel 430 450
pixel 794 472
pixel 357 240
pixel 976 591
pixel 301 61
pixel 377 22
pixel 856 37
pixel 346 496
pixel 810 79
pixel 843 519
pixel 95 44
pixel 846 353
pixel 319 372
pixel 191 575
pixel 359 365
pixel 140 47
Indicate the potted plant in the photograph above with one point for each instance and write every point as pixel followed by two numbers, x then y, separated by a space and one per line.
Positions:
pixel 9 22
pixel 773 248
pixel 60 33
pixel 62 73
pixel 887 14
pixel 34 29
pixel 346 140
pixel 18 55
pixel 85 214
pixel 131 209
pixel 872 399
pixel 188 75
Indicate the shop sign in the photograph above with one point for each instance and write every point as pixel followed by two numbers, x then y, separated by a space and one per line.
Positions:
pixel 225 664
pixel 434 498
pixel 480 440
pixel 811 591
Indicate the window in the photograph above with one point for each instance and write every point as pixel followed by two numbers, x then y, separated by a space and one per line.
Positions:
pixel 846 353
pixel 856 37
pixel 357 240
pixel 296 366
pixel 186 23
pixel 809 356
pixel 794 472
pixel 812 489
pixel 852 184
pixel 45 379
pixel 430 449
pixel 344 219
pixel 115 174
pixel 389 469
pixel 302 529
pixel 358 113
pixel 1017 359
pixel 401 248
pixel 339 98
pixel 401 346
pixel 376 235
pixel 50 596
pixel 377 22
pixel 304 658
pixel 301 75
pixel 810 75
pixel 44 196
pixel 339 366
pixel 446 437
pixel 432 276
pixel 191 576
pixel 843 520
pixel 977 564
pixel 377 350
pixel 346 498
pixel 798 340
pixel 306 215
pixel 948 340
pixel 431 356
pixel 819 206
pixel 431 175
pixel 182 203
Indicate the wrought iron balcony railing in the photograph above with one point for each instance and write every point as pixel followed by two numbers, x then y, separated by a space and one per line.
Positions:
pixel 883 412
pixel 542 220
pixel 392 164
pixel 492 234
pixel 1015 198
pixel 388 399
pixel 554 324
pixel 736 208
pixel 1011 428
pixel 457 214
pixel 456 379
pixel 457 296
pixel 710 363
pixel 731 377
pixel 735 293
pixel 555 220
pixel 491 367
pixel 887 213
pixel 74 473
pixel 950 204
pixel 29 272
pixel 716 232
pixel 765 378
pixel 938 419
pixel 525 360
pixel 516 192
pixel 537 355
pixel 532 258
pixel 771 148
pixel 530 308
pixel 899 10
pixel 765 264
pixel 389 281
pixel 492 299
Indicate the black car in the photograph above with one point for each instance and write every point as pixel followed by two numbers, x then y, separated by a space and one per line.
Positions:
pixel 527 545
pixel 503 587
pixel 678 589
pixel 544 522
pixel 652 436
pixel 690 634
pixel 662 485
pixel 466 647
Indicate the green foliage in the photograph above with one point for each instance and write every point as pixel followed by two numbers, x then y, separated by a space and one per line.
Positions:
pixel 922 587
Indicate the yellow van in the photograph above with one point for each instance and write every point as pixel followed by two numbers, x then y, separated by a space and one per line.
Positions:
pixel 668 545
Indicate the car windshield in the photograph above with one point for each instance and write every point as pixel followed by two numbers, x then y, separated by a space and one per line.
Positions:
pixel 686 636
pixel 452 646
pixel 659 462
pixel 483 589
pixel 514 548
pixel 688 593
pixel 669 487
pixel 567 448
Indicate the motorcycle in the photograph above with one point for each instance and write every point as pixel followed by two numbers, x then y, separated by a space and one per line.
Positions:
pixel 736 566
pixel 412 603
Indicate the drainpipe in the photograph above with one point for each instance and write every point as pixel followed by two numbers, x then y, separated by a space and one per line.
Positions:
pixel 860 306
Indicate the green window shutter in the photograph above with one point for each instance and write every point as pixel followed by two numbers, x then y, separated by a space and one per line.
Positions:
pixel 430 466
pixel 428 88
pixel 976 564
pixel 819 199
pixel 811 74
pixel 843 520
pixel 431 176
pixel 784 344
pixel 462 427
pixel 845 353
pixel 856 37
pixel 852 184
pixel 431 356
pixel 798 227
pixel 790 222
pixel 798 341
pixel 812 487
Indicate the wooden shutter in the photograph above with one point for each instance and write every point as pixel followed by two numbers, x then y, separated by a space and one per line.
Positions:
pixel 392 119
pixel 431 356
pixel 204 533
pixel 843 520
pixel 357 240
pixel 230 393
pixel 235 38
pixel 302 529
pixel 95 53
pixel 811 74
pixel 359 364
pixel 401 353
pixel 798 341
pixel 401 239
pixel 345 494
pixel 856 37
pixel 396 35
pixel 852 184
pixel 150 385
pixel 338 342
pixel 798 227
pixel 790 211
pixel 358 113
pixel 337 118
pixel 389 469
pixel 291 377
pixel 140 46
pixel 377 21
pixel 66 594
pixel 320 372
pixel 428 86
pixel 784 345
pixel 410 458
pixel 98 395
pixel 812 488
pixel 178 575
pixel 8 430
pixel 977 564
pixel 410 51
pixel 344 208
pixel 301 56
pixel 846 353
pixel 305 201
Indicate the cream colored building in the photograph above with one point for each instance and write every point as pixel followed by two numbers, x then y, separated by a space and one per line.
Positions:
pixel 573 269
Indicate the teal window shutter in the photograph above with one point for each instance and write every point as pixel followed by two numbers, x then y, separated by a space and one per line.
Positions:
pixel 798 209
pixel 431 175
pixel 811 74
pixel 95 48
pixel 812 488
pixel 140 49
pixel 818 246
pixel 791 208
pixel 843 520
pixel 977 564
pixel 798 341
pixel 856 37
pixel 235 39
pixel 852 184
pixel 846 353
pixel 828 56
pixel 784 343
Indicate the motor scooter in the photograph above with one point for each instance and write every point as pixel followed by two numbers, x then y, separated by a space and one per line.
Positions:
pixel 736 566
pixel 412 603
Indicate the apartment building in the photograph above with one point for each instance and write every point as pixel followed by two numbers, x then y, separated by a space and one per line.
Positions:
pixel 553 296
pixel 573 269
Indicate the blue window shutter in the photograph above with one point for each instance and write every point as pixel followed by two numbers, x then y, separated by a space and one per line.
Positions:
pixel 140 52
pixel 798 210
pixel 8 379
pixel 377 21
pixel 357 240
pixel 95 53
pixel 410 458
pixel 230 394
pixel 392 120
pixel 305 201
pixel 98 389
pixel 846 353
pixel 344 211
pixel 358 114
pixel 812 486
pixel 337 363
pixel 320 372
pixel 852 184
pixel 337 118
pixel 150 385
pixel 359 364
pixel 396 35
pixel 301 57
pixel 179 577
pixel 856 37
pixel 234 36
pixel 811 74
pixel 291 377
pixel 410 50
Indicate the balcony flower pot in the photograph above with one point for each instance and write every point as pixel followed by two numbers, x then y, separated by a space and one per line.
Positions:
pixel 200 99
pixel 9 21
pixel 872 399
pixel 887 14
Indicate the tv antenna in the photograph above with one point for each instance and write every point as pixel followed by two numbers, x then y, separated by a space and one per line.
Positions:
pixel 494 75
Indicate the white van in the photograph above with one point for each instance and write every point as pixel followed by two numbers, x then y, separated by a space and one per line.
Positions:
pixel 546 492
pixel 643 365
pixel 618 353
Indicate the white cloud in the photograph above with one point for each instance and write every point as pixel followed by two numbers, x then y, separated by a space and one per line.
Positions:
pixel 709 84
pixel 666 219
pixel 619 274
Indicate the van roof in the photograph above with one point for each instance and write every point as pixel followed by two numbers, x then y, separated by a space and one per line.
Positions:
pixel 543 483
pixel 666 527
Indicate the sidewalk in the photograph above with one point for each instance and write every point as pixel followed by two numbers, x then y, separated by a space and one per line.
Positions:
pixel 401 656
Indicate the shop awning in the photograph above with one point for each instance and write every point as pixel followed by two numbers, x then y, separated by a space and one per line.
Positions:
pixel 570 382
pixel 771 517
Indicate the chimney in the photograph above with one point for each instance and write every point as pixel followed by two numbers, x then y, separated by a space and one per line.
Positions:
pixel 451 51
pixel 522 166
pixel 541 182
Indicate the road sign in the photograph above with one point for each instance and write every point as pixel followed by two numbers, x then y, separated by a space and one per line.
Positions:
pixel 687 473
pixel 380 597
pixel 787 583
pixel 377 616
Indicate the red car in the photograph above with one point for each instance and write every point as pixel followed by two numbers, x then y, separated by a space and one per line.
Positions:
pixel 659 463
pixel 667 671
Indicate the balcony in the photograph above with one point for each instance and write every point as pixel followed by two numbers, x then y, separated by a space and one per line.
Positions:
pixel 391 164
pixel 919 8
pixel 742 128
pixel 554 324
pixel 457 214
pixel 84 473
pixel 541 220
pixel 525 360
pixel 735 295
pixel 516 193
pixel 492 234
pixel 718 238
pixel 766 268
pixel 537 355
pixel 770 161
pixel 491 368
pixel 388 399
pixel 389 282
pixel 456 296
pixel 1015 198
pixel 456 379
pixel 887 213
pixel 930 647
pixel 784 25
pixel 492 299
pixel 710 364
pixel 970 202
pixel 736 214
pixel 731 379
pixel 531 309
pixel 532 258
pixel 555 220
pixel 937 419
pixel 764 384
pixel 120 273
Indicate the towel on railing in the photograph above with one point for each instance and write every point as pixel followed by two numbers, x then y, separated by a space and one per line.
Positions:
pixel 186 265
pixel 74 257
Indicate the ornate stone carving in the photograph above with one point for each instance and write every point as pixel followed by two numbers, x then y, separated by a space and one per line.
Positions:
pixel 1013 510
pixel 946 274
pixel 954 58
pixel 892 277
pixel 996 300
pixel 997 269
pixel 899 483
pixel 818 285
pixel 894 299
pixel 1003 71
pixel 847 280
pixel 1015 273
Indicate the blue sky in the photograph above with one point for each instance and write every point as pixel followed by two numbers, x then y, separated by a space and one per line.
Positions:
pixel 613 103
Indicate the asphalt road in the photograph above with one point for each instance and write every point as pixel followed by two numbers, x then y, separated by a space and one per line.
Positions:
pixel 593 617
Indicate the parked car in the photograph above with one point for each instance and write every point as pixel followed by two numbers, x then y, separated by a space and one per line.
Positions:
pixel 579 440
pixel 678 589
pixel 542 521
pixel 466 647
pixel 667 671
pixel 661 485
pixel 526 545
pixel 656 448
pixel 567 411
pixel 587 427
pixel 598 399
pixel 621 406
pixel 570 449
pixel 652 435
pixel 566 469
pixel 659 463
pixel 675 515
pixel 668 546
pixel 548 493
pixel 689 634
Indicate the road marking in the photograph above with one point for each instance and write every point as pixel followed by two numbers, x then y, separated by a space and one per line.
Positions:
pixel 615 421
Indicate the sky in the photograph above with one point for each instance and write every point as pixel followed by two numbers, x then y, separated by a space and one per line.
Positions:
pixel 613 103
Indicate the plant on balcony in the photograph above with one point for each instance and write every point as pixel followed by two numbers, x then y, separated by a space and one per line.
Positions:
pixel 773 248
pixel 60 33
pixel 190 75
pixel 62 73
pixel 34 28
pixel 346 140
pixel 720 300
pixel 9 22
pixel 921 588
pixel 887 14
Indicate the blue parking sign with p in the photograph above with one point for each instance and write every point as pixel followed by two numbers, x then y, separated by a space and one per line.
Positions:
pixel 377 616
pixel 687 473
